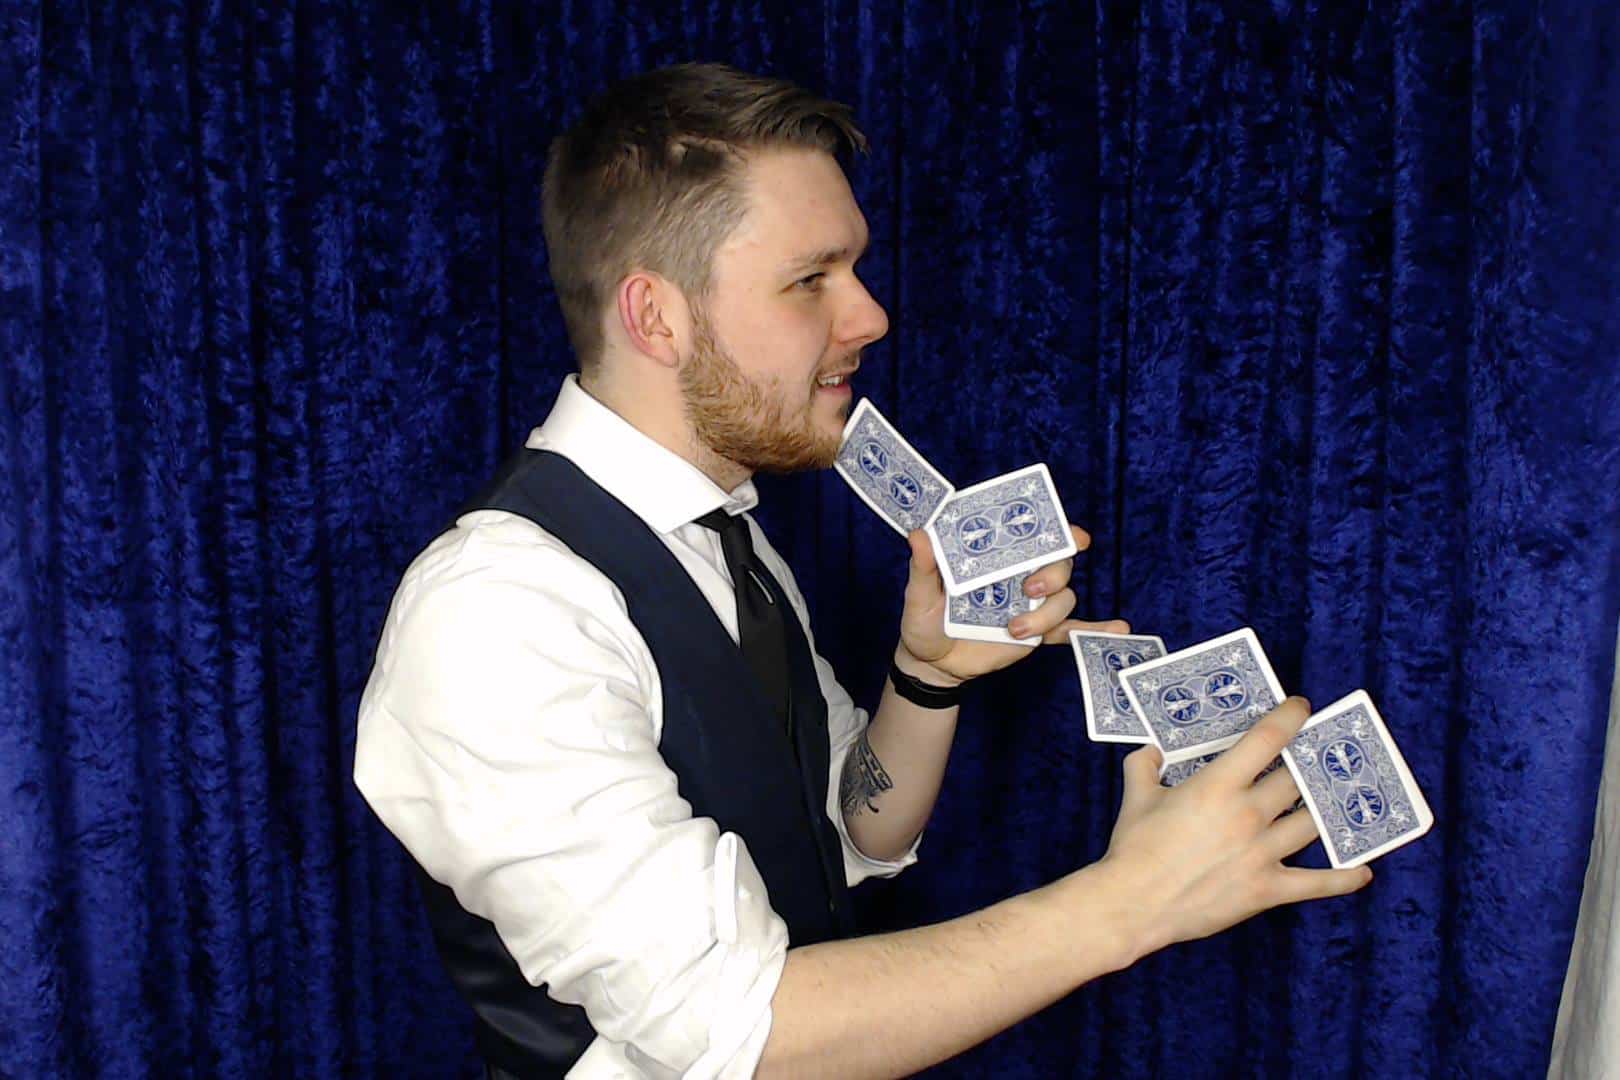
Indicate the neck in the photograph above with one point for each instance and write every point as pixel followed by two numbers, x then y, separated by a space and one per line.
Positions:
pixel 657 413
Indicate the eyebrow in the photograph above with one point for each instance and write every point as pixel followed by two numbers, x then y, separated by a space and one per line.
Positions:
pixel 827 257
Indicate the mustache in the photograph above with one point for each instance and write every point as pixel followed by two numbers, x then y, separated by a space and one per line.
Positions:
pixel 849 363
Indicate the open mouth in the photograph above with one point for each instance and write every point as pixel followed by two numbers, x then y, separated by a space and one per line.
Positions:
pixel 837 379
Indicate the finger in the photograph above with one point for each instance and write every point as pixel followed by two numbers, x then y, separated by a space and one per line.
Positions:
pixel 1263 742
pixel 1082 539
pixel 1141 779
pixel 922 552
pixel 1049 579
pixel 1289 834
pixel 1298 883
pixel 1038 622
pixel 1059 634
pixel 924 571
pixel 1276 792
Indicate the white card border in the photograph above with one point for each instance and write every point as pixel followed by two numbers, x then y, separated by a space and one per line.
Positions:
pixel 1402 771
pixel 1085 685
pixel 1068 551
pixel 849 425
pixel 988 633
pixel 1225 742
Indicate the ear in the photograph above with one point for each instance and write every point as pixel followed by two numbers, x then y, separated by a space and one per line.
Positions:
pixel 653 315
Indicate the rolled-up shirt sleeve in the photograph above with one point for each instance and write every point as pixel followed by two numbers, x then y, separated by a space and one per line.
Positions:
pixel 509 738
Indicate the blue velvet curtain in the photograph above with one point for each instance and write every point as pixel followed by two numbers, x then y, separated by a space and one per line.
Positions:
pixel 1313 308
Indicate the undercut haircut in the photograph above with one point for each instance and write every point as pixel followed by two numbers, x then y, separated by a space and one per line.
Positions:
pixel 650 178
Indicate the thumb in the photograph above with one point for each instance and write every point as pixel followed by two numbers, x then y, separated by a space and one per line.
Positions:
pixel 923 566
pixel 1141 779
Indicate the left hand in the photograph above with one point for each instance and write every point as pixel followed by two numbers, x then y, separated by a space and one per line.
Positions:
pixel 928 654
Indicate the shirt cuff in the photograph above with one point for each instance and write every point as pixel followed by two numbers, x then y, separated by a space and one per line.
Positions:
pixel 858 866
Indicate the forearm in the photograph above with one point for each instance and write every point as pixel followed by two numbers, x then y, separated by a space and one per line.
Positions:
pixel 892 775
pixel 892 1004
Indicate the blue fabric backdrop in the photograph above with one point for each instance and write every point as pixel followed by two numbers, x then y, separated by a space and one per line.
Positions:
pixel 1313 308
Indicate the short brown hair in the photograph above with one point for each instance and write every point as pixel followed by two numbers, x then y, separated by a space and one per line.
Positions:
pixel 647 178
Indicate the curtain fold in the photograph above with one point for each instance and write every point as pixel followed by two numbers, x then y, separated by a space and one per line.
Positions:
pixel 1313 309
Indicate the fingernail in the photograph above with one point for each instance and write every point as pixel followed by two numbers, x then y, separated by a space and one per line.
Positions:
pixel 1017 627
pixel 1035 588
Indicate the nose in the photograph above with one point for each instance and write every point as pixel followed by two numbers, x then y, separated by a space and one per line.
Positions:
pixel 863 318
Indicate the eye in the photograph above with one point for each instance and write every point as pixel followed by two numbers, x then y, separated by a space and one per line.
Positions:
pixel 811 282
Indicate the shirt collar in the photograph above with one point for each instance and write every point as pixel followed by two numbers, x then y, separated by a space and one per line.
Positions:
pixel 658 485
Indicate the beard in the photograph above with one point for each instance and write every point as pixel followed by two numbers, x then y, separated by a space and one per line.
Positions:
pixel 759 426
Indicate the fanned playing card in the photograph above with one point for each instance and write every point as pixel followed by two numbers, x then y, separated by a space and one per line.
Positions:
pixel 982 614
pixel 887 472
pixel 1355 783
pixel 1202 699
pixel 1182 771
pixel 991 531
pixel 1100 658
pixel 1172 775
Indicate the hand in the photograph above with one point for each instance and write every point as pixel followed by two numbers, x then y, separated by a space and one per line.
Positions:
pixel 1195 859
pixel 928 654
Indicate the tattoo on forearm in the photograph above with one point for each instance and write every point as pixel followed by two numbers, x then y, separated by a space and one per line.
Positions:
pixel 863 780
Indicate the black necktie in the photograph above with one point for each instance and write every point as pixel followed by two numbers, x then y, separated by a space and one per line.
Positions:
pixel 760 629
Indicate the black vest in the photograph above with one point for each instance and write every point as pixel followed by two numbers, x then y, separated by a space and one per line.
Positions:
pixel 722 739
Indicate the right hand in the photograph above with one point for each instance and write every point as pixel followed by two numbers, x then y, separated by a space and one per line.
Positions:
pixel 1195 859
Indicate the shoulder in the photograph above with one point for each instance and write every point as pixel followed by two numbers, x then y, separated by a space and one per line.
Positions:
pixel 493 547
pixel 498 581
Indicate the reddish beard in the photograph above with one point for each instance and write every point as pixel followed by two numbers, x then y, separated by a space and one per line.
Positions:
pixel 746 422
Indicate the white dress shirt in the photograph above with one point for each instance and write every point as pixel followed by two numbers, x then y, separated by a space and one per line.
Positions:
pixel 509 738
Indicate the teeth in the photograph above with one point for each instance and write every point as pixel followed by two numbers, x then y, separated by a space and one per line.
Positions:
pixel 832 380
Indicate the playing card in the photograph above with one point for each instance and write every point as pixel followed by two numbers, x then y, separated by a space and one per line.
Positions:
pixel 1171 775
pixel 982 614
pixel 1100 658
pixel 1202 699
pixel 999 528
pixel 887 472
pixel 1355 782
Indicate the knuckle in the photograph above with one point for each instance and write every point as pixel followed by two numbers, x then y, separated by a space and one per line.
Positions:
pixel 1144 761
pixel 1265 891
pixel 1250 819
pixel 1276 736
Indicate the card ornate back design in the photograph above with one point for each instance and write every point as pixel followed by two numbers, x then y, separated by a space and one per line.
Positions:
pixel 887 472
pixel 1182 771
pixel 1100 658
pixel 982 614
pixel 1355 782
pixel 1202 699
pixel 1001 527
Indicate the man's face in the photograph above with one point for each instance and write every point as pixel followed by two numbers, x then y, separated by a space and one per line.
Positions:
pixel 784 321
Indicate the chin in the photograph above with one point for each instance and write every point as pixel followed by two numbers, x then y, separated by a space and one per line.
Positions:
pixel 835 412
pixel 831 436
pixel 814 447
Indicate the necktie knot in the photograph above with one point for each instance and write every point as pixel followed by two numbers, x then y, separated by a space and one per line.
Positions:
pixel 726 524
pixel 738 547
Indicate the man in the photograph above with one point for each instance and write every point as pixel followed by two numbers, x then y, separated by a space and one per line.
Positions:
pixel 597 720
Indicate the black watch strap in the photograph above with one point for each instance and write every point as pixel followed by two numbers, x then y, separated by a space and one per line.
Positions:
pixel 918 692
